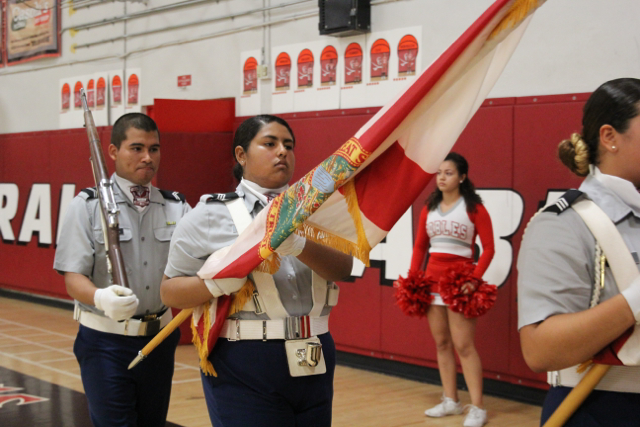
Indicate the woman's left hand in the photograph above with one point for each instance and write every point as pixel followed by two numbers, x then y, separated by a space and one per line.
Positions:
pixel 468 288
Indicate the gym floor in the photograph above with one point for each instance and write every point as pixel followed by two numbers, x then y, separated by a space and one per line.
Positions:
pixel 40 383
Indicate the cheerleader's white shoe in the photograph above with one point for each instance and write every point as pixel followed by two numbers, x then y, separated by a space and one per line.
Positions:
pixel 448 406
pixel 476 417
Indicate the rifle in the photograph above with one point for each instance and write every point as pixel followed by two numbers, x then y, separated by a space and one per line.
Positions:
pixel 108 208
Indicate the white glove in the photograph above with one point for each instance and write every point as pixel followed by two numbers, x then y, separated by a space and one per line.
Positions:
pixel 632 295
pixel 293 245
pixel 219 287
pixel 117 302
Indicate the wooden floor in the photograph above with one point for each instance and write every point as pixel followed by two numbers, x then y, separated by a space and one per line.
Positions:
pixel 37 340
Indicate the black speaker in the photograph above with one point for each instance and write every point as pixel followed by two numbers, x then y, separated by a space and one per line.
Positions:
pixel 344 17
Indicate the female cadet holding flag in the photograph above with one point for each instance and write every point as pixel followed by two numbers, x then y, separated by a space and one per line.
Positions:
pixel 450 221
pixel 558 280
pixel 255 385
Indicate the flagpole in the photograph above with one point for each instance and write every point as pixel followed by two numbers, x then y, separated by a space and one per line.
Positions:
pixel 164 333
pixel 575 398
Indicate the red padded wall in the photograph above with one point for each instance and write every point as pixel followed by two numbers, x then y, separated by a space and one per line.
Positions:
pixel 510 144
pixel 178 115
pixel 196 163
pixel 56 158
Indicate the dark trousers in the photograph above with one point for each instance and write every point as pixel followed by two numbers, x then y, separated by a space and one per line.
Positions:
pixel 119 397
pixel 600 409
pixel 254 387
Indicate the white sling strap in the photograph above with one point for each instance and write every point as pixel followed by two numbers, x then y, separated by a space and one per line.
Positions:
pixel 622 265
pixel 264 282
pixel 624 270
pixel 319 293
pixel 238 210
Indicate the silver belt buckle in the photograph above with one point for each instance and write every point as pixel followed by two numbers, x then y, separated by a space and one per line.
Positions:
pixel 297 327
pixel 237 337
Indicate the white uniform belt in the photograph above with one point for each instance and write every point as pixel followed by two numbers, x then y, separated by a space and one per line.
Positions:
pixel 619 378
pixel 129 327
pixel 278 329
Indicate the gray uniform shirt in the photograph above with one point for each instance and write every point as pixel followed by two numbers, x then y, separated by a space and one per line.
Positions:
pixel 556 263
pixel 209 227
pixel 144 241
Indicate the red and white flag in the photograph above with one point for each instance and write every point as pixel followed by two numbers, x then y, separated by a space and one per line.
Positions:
pixel 394 154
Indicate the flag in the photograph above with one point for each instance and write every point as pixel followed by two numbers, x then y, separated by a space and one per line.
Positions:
pixel 622 351
pixel 394 154
pixel 206 323
pixel 208 319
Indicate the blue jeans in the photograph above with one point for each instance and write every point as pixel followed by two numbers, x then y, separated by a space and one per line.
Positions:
pixel 254 387
pixel 119 397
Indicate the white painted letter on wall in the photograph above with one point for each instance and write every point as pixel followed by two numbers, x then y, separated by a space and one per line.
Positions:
pixel 8 208
pixel 37 216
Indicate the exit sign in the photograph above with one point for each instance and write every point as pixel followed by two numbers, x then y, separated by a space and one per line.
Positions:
pixel 184 81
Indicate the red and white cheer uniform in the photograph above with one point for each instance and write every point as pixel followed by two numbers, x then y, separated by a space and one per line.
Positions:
pixel 452 235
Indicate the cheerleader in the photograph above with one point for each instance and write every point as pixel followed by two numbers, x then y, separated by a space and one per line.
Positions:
pixel 449 223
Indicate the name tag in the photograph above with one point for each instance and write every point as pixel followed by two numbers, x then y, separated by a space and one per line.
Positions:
pixel 171 223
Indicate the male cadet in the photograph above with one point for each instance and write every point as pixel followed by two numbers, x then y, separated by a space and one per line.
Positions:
pixel 117 322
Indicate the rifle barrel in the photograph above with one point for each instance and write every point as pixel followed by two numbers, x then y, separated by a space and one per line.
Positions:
pixel 108 207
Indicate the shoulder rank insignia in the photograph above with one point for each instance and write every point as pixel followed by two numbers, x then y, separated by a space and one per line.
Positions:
pixel 173 195
pixel 90 192
pixel 564 202
pixel 219 197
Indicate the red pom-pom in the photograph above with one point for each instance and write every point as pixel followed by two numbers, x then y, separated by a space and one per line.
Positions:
pixel 472 304
pixel 413 294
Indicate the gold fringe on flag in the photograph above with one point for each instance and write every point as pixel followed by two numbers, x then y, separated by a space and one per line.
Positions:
pixel 354 210
pixel 238 301
pixel 241 298
pixel 338 243
pixel 518 11
pixel 270 265
pixel 203 346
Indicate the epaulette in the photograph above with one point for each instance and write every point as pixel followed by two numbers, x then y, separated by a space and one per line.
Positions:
pixel 91 193
pixel 173 195
pixel 219 197
pixel 564 202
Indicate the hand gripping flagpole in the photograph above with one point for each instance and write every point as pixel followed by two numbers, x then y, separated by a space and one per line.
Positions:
pixel 164 333
pixel 578 395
